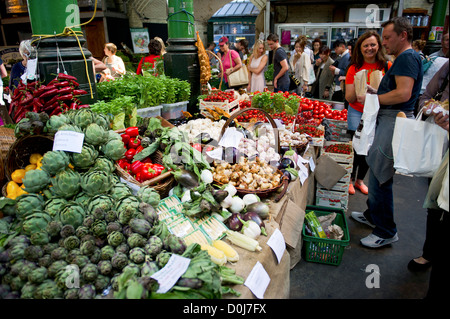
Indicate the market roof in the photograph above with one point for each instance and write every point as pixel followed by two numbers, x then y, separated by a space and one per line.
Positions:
pixel 237 9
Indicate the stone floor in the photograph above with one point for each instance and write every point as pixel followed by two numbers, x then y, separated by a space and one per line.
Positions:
pixel 348 280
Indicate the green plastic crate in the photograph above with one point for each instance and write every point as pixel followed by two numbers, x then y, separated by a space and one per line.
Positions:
pixel 324 250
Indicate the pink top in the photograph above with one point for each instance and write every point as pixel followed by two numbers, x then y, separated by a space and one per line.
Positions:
pixel 227 63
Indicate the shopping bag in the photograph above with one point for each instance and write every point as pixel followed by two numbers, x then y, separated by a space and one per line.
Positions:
pixel 312 75
pixel 417 146
pixel 364 134
pixel 239 77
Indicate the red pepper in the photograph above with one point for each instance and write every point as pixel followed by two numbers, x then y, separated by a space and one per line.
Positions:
pixel 138 177
pixel 51 101
pixel 147 160
pixel 136 167
pixel 65 97
pixel 66 77
pixel 139 149
pixel 74 83
pixel 84 106
pixel 134 142
pixel 56 111
pixel 132 131
pixel 197 146
pixel 130 154
pixel 121 162
pixel 50 92
pixel 65 90
pixel 125 138
pixel 62 84
pixel 79 92
pixel 27 99
pixel 12 107
pixel 37 105
pixel 73 106
pixel 148 172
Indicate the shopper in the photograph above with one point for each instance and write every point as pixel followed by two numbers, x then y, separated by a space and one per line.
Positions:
pixel 212 59
pixel 113 62
pixel 321 88
pixel 437 89
pixel 444 47
pixel 339 69
pixel 163 46
pixel 280 64
pixel 19 68
pixel 148 62
pixel 317 44
pixel 301 64
pixel 256 66
pixel 231 61
pixel 418 45
pixel 241 47
pixel 368 54
pixel 398 91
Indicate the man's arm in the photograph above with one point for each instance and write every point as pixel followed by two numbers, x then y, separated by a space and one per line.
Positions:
pixel 284 69
pixel 399 95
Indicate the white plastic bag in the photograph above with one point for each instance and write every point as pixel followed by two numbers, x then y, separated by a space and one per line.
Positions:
pixel 417 146
pixel 364 134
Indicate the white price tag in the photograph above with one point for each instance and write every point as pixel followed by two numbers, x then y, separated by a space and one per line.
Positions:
pixel 171 272
pixel 312 165
pixel 215 153
pixel 258 280
pixel 277 243
pixel 231 138
pixel 68 141
pixel 31 69
pixel 302 173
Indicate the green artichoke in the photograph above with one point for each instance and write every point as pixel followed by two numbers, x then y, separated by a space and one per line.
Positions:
pixel 82 198
pixel 71 242
pixel 40 238
pixel 102 201
pixel 148 213
pixel 88 247
pixel 38 275
pixel 115 238
pixel 66 183
pixel 83 117
pixel 33 253
pixel 53 206
pixel 137 255
pixel 127 208
pixel 72 214
pixel 107 252
pixel 28 267
pixel 113 226
pixel 104 164
pixel 104 267
pixel 163 258
pixel 120 190
pixel 48 290
pixel 70 127
pixel 28 204
pixel 113 136
pixel 98 229
pixel 81 231
pixel 70 259
pixel 175 244
pixel 136 240
pixel 36 180
pixel 27 291
pixel 149 195
pixel 101 283
pixel 7 206
pixel 71 293
pixel 55 161
pixel 67 231
pixel 86 291
pixel 55 122
pixel 140 226
pixel 55 267
pixel 110 216
pixel 35 223
pixel 96 182
pixel 45 261
pixel 81 261
pixel 103 120
pixel 86 158
pixel 89 272
pixel 123 248
pixel 149 268
pixel 59 253
pixel 54 228
pixel 153 246
pixel 17 283
pixel 114 149
pixel 119 260
pixel 95 134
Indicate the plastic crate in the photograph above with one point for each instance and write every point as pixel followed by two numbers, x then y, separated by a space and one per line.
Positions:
pixel 152 111
pixel 324 250
pixel 174 110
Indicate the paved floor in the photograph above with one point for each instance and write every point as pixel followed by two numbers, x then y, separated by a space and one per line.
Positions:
pixel 348 280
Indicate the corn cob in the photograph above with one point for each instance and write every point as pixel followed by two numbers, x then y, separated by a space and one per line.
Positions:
pixel 243 241
pixel 217 256
pixel 232 255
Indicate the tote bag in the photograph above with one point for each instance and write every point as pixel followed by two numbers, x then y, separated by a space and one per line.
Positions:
pixel 364 134
pixel 417 146
pixel 238 78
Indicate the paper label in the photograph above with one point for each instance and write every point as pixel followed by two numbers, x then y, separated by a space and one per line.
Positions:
pixel 302 173
pixel 277 243
pixel 31 69
pixel 171 272
pixel 231 138
pixel 258 280
pixel 134 188
pixel 312 165
pixel 215 153
pixel 68 141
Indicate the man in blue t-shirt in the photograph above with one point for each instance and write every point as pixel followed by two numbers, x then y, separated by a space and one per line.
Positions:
pixel 280 64
pixel 398 91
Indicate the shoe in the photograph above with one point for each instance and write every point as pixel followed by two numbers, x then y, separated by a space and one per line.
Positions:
pixel 360 218
pixel 351 189
pixel 373 241
pixel 362 187
pixel 415 266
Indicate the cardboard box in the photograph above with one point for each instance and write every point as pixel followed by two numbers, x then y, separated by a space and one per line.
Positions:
pixel 331 198
pixel 339 186
pixel 340 158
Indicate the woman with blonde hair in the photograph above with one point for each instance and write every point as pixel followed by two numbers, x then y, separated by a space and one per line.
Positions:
pixel 113 62
pixel 163 46
pixel 418 46
pixel 256 65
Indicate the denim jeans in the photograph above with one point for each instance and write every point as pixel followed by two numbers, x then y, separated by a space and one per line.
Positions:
pixel 281 88
pixel 380 207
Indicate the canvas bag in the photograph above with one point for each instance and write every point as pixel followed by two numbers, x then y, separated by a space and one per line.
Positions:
pixel 417 146
pixel 238 78
pixel 364 134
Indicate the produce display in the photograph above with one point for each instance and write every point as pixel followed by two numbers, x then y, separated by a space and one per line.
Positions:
pixel 205 67
pixel 339 148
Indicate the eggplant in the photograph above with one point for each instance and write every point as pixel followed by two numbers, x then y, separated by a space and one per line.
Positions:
pixel 286 162
pixel 220 195
pixel 257 219
pixel 287 174
pixel 234 223
pixel 186 178
pixel 262 209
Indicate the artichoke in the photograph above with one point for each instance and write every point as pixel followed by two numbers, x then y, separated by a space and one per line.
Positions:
pixel 175 244
pixel 107 252
pixel 7 206
pixel 86 158
pixel 153 246
pixel 53 206
pixel 96 256
pixel 67 231
pixel 149 268
pixel 113 136
pixel 45 261
pixel 70 127
pixel 28 204
pixel 123 248
pixel 55 267
pixel 72 214
pixel 33 253
pixel 136 240
pixel 101 283
pixel 81 261
pixel 81 231
pixel 38 275
pixel 86 291
pixel 35 223
pixel 119 260
pixel 71 242
pixel 103 121
pixel 54 162
pixel 149 195
pixel 99 228
pixel 27 291
pixel 110 216
pixel 140 226
pixel 54 228
pixel 102 201
pixel 105 267
pixel 55 122
pixel 83 117
pixel 66 183
pixel 82 198
pixel 115 238
pixel 17 283
pixel 114 149
pixel 72 254
pixel 148 213
pixel 88 221
pixel 120 190
pixel 71 293
pixel 104 164
pixel 48 290
pixel 137 255
pixel 16 267
pixel 88 247
pixel 163 258
pixel 89 272
pixel 96 182
pixel 95 134
pixel 40 238
pixel 36 180
pixel 113 226
pixel 27 267
pixel 127 208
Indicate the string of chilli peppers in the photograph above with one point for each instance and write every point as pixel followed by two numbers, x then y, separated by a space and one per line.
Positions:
pixel 58 96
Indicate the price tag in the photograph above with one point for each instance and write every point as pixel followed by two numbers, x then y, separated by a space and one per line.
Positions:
pixel 171 272
pixel 302 173
pixel 31 69
pixel 231 138
pixel 258 280
pixel 312 165
pixel 277 243
pixel 215 153
pixel 68 141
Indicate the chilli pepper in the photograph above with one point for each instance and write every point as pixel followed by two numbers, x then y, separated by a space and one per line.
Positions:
pixel 130 153
pixel 147 160
pixel 79 92
pixel 62 84
pixel 83 106
pixel 50 92
pixel 139 149
pixel 65 90
pixel 136 167
pixel 73 105
pixel 125 138
pixel 134 142
pixel 148 172
pixel 65 97
pixel 66 77
pixel 132 131
pixel 27 99
pixel 74 83
pixel 56 111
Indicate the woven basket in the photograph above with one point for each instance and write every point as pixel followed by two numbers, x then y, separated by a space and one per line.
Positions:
pixel 7 138
pixel 19 153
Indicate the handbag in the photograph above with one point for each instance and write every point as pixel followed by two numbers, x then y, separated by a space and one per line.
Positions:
pixel 238 78
pixel 417 146
pixel 365 133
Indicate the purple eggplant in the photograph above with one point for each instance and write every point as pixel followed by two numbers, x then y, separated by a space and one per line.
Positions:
pixel 257 219
pixel 234 223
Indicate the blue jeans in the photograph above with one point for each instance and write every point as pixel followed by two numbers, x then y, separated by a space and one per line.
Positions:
pixel 380 207
pixel 281 88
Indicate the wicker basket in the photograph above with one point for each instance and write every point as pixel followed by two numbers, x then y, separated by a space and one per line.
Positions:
pixel 19 153
pixel 7 138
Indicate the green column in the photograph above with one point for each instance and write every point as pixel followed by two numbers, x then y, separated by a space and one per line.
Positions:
pixel 180 21
pixel 52 16
pixel 437 20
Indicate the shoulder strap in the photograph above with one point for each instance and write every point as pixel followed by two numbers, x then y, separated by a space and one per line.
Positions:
pixel 441 90
pixel 273 57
